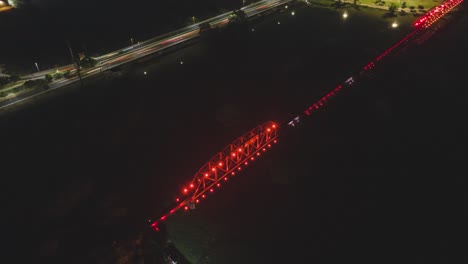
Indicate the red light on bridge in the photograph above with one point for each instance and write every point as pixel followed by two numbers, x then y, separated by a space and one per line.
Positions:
pixel 269 145
pixel 156 228
pixel 274 141
pixel 242 151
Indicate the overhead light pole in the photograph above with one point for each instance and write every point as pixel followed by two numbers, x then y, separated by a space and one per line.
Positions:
pixel 76 63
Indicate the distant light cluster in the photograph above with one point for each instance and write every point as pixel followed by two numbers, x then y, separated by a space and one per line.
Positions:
pixel 436 13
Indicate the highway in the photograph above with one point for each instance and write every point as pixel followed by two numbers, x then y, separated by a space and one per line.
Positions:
pixel 164 41
pixel 134 52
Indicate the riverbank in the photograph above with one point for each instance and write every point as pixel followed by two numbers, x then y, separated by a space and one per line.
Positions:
pixel 404 20
pixel 38 33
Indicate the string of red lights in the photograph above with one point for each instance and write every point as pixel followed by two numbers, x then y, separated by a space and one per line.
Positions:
pixel 248 147
pixel 436 13
pixel 223 166
pixel 421 24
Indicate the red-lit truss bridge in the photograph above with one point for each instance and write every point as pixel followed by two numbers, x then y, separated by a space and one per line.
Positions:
pixel 252 144
pixel 225 164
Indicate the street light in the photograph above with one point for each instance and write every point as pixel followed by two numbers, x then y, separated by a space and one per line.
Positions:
pixel 76 63
pixel 345 15
pixel 37 67
pixel 395 24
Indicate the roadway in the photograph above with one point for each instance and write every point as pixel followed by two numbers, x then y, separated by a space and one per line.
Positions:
pixel 168 38
pixel 137 51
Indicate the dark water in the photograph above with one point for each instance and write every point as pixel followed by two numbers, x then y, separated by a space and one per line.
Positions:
pixel 371 179
pixel 87 167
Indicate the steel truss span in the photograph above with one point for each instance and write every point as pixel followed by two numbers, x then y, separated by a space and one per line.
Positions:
pixel 223 165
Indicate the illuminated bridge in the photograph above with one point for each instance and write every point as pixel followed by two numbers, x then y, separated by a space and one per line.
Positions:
pixel 223 165
pixel 252 144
